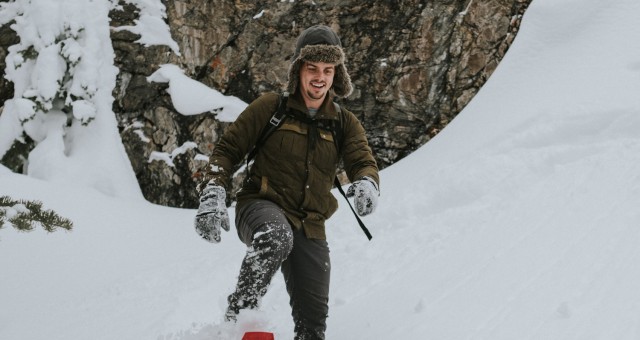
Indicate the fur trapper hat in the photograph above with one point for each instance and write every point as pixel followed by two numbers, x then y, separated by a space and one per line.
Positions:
pixel 320 44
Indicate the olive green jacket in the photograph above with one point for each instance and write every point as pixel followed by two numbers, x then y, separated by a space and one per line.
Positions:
pixel 289 169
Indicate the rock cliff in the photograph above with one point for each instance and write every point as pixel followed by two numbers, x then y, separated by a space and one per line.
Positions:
pixel 414 64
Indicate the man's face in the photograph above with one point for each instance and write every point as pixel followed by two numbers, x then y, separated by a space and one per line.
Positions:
pixel 315 81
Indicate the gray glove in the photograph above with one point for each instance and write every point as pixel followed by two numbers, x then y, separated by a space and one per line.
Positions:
pixel 212 213
pixel 365 193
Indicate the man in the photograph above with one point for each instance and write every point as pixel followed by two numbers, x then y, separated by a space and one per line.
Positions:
pixel 286 199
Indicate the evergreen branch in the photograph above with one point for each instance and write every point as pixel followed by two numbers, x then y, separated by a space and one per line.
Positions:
pixel 25 215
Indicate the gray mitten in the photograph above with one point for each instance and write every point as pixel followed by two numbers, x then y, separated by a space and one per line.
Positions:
pixel 365 193
pixel 212 213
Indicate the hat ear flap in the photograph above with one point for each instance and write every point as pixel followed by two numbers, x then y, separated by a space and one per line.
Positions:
pixel 294 76
pixel 342 82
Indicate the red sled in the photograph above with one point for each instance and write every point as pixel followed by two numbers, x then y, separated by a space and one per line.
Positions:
pixel 258 336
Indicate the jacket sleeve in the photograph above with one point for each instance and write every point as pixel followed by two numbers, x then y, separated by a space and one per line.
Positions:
pixel 237 141
pixel 357 155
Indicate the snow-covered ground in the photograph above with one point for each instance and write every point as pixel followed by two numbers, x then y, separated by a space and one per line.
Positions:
pixel 519 221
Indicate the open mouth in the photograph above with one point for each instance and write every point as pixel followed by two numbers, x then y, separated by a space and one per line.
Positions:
pixel 317 85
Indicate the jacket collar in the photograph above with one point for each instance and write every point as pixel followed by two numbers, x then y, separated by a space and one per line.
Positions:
pixel 326 111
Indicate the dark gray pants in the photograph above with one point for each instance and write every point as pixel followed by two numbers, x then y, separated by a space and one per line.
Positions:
pixel 272 244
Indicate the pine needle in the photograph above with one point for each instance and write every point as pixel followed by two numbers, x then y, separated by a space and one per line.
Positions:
pixel 25 215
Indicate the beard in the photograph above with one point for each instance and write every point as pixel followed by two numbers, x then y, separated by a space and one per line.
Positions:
pixel 315 95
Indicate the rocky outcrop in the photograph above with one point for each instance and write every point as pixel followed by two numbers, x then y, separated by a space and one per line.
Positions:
pixel 7 38
pixel 14 158
pixel 415 64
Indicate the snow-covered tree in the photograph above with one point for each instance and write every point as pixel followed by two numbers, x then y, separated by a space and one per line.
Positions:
pixel 63 75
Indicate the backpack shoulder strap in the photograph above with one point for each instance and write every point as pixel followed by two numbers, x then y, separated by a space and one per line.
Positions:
pixel 338 129
pixel 272 125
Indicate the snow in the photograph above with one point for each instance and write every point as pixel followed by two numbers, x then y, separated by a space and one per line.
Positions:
pixel 67 150
pixel 157 32
pixel 11 212
pixel 150 25
pixel 259 15
pixel 518 221
pixel 168 157
pixel 190 97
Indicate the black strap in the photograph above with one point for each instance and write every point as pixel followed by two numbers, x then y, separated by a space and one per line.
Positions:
pixel 337 131
pixel 362 226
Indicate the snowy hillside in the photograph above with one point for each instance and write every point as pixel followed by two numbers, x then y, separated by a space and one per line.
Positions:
pixel 519 221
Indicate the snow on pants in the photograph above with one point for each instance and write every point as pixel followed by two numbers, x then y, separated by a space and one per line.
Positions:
pixel 272 244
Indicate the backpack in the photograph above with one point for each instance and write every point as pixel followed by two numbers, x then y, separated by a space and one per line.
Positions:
pixel 337 132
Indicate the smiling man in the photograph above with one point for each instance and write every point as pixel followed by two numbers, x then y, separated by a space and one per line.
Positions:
pixel 315 81
pixel 286 198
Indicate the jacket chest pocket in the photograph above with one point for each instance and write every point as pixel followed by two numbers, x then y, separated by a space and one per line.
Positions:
pixel 293 139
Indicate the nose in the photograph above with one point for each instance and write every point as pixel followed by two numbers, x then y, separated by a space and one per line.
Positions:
pixel 321 76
